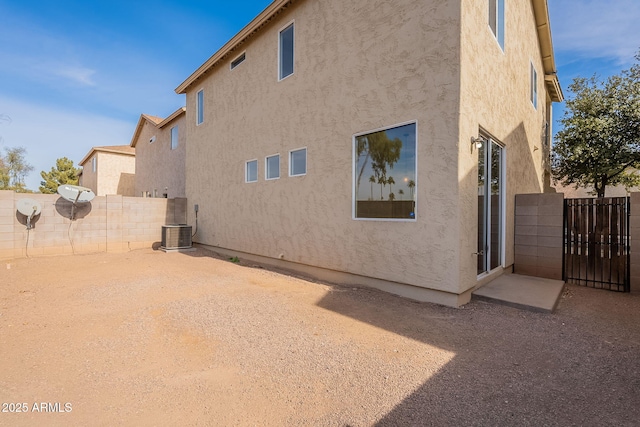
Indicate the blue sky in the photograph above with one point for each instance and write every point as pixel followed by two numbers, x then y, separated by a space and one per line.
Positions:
pixel 77 74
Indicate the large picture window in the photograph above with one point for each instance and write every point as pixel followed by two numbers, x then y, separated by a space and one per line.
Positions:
pixel 385 173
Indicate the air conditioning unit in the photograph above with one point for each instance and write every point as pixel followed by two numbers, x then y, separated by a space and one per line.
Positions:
pixel 176 236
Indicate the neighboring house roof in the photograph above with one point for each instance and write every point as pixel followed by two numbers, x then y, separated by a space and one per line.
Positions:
pixel 115 149
pixel 156 121
pixel 540 8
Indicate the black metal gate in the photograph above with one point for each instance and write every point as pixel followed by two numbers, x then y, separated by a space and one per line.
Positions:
pixel 596 243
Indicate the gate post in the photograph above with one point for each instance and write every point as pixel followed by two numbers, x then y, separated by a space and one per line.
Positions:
pixel 634 233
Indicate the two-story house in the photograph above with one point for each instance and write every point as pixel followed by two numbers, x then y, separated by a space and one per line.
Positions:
pixel 374 142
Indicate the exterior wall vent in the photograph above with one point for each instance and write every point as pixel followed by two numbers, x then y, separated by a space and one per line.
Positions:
pixel 177 236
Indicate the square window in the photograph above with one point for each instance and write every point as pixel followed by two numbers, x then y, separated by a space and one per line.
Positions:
pixel 298 162
pixel 384 170
pixel 200 107
pixel 174 137
pixel 534 87
pixel 251 171
pixel 496 20
pixel 272 167
pixel 285 52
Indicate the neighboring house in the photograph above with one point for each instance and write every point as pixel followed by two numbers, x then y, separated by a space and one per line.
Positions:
pixel 297 124
pixel 160 146
pixel 109 170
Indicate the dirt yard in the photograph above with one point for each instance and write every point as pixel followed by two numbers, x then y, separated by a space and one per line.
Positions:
pixel 148 338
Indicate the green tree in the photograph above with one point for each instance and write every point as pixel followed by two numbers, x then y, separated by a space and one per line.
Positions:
pixel 63 173
pixel 401 193
pixel 599 144
pixel 411 185
pixel 13 170
pixel 372 180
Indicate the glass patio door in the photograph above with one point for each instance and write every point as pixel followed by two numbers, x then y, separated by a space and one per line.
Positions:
pixel 490 196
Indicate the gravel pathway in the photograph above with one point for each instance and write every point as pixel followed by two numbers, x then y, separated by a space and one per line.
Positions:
pixel 148 338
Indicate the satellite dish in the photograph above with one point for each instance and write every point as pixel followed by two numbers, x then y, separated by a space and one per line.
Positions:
pixel 75 193
pixel 29 208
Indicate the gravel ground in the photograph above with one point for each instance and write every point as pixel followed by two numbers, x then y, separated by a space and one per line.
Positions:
pixel 148 338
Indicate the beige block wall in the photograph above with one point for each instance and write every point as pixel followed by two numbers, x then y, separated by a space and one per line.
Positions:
pixel 494 96
pixel 539 235
pixel 111 223
pixel 116 174
pixel 157 165
pixel 352 74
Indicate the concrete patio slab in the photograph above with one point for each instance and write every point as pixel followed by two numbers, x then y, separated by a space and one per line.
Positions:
pixel 526 292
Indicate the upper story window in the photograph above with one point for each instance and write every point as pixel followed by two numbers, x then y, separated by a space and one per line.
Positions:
pixel 239 60
pixel 285 52
pixel 200 107
pixel 534 87
pixel 298 162
pixel 94 164
pixel 174 137
pixel 496 20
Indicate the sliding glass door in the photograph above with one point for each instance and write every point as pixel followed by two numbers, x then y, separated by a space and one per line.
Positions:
pixel 490 199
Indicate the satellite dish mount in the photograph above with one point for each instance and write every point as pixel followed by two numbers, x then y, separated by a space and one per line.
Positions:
pixel 29 208
pixel 75 194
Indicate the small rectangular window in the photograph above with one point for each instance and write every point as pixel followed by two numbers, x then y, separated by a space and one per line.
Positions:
pixel 496 20
pixel 272 167
pixel 174 137
pixel 251 171
pixel 298 162
pixel 384 173
pixel 239 60
pixel 534 87
pixel 94 164
pixel 200 107
pixel 285 52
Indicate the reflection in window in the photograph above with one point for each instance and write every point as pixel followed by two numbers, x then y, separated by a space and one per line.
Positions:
pixel 385 173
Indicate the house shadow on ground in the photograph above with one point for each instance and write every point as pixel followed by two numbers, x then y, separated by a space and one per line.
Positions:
pixel 513 367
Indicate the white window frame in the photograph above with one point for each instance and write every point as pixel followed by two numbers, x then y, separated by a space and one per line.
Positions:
pixel 241 58
pixel 291 161
pixel 293 53
pixel 94 164
pixel 499 33
pixel 266 167
pixel 246 170
pixel 174 138
pixel 533 81
pixel 199 107
pixel 354 165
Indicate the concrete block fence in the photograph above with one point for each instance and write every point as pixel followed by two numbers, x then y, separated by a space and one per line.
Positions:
pixel 539 230
pixel 106 224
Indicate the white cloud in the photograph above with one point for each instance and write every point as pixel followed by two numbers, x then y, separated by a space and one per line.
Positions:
pixel 80 75
pixel 596 29
pixel 48 133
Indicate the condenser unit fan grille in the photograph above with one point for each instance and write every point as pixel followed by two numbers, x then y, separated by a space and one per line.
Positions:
pixel 176 236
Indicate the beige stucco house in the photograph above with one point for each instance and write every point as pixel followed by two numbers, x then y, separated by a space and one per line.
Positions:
pixel 109 170
pixel 160 146
pixel 356 140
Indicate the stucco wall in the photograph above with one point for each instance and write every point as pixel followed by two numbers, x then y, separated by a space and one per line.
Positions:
pixel 359 66
pixel 157 165
pixel 115 174
pixel 89 177
pixel 495 96
pixel 107 224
